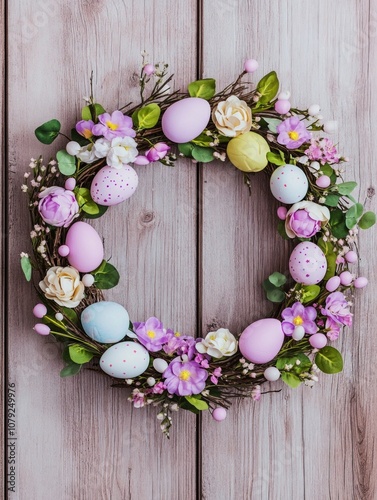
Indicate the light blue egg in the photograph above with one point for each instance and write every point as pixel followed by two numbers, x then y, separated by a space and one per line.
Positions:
pixel 105 322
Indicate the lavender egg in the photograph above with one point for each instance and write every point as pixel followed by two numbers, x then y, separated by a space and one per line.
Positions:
pixel 85 247
pixel 111 186
pixel 307 263
pixel 186 119
pixel 261 341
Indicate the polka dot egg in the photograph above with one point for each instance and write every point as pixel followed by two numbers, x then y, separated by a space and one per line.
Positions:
pixel 111 186
pixel 125 360
pixel 307 263
pixel 289 184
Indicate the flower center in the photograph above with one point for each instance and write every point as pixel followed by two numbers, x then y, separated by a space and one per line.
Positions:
pixel 177 334
pixel 297 321
pixel 151 334
pixel 87 133
pixel 293 135
pixel 111 125
pixel 185 375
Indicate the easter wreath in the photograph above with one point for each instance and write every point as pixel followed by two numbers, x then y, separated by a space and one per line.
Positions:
pixel 255 129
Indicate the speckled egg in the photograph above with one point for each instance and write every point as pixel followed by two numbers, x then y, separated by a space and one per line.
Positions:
pixel 289 184
pixel 125 360
pixel 186 119
pixel 105 322
pixel 307 263
pixel 262 340
pixel 111 186
pixel 85 247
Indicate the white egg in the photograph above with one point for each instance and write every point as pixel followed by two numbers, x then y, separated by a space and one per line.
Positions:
pixel 125 360
pixel 289 184
pixel 271 373
pixel 160 365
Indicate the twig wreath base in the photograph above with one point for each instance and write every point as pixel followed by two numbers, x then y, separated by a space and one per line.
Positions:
pixel 256 129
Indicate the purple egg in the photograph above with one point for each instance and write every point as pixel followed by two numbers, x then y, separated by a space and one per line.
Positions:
pixel 85 247
pixel 351 257
pixel 333 284
pixel 70 184
pixel 186 119
pixel 42 329
pixel 262 340
pixel 219 414
pixel 318 340
pixel 360 282
pixel 111 186
pixel 40 310
pixel 323 182
pixel 307 263
pixel 345 278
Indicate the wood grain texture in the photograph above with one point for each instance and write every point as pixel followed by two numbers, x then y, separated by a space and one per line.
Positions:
pixel 305 443
pixel 77 438
pixel 3 243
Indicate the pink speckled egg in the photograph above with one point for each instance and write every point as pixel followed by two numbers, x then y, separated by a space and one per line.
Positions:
pixel 85 247
pixel 111 186
pixel 289 184
pixel 307 263
pixel 125 360
pixel 186 119
pixel 262 340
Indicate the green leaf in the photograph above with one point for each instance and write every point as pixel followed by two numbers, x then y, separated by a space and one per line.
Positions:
pixel 202 140
pixel 346 187
pixel 69 370
pixel 367 220
pixel 303 365
pixel 147 116
pixel 267 87
pixel 197 402
pixel 92 112
pixel 331 265
pixel 66 162
pixel 75 136
pixel 338 223
pixel 276 295
pixel 101 211
pixel 48 131
pixel 291 379
pixel 106 276
pixel 26 267
pixel 310 292
pixel 79 354
pixel 203 155
pixel 86 202
pixel 277 279
pixel 329 360
pixel 205 88
pixel 272 124
pixel 275 159
pixel 186 149
pixel 71 315
pixel 332 200
pixel 326 169
pixel 282 231
pixel 351 222
pixel 355 211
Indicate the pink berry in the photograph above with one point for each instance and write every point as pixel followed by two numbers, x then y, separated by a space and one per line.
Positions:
pixel 360 282
pixel 318 340
pixel 351 257
pixel 282 107
pixel 333 284
pixel 250 65
pixel 40 310
pixel 42 329
pixel 63 250
pixel 70 184
pixel 345 278
pixel 323 182
pixel 149 69
pixel 282 213
pixel 219 414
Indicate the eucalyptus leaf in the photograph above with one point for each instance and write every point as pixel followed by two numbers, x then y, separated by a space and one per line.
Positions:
pixel 367 220
pixel 277 279
pixel 332 200
pixel 197 402
pixel 205 88
pixel 267 87
pixel 275 159
pixel 273 124
pixel 329 360
pixel 48 131
pixel 276 295
pixel 26 267
pixel 106 276
pixel 186 149
pixel 147 116
pixel 291 379
pixel 355 212
pixel 346 187
pixel 203 155
pixel 79 354
pixel 66 162
pixel 70 369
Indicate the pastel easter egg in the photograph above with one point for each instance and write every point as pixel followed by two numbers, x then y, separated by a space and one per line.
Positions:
pixel 272 374
pixel 307 263
pixel 318 340
pixel 289 184
pixel 186 119
pixel 219 414
pixel 361 282
pixel 110 186
pixel 105 322
pixel 333 284
pixel 125 360
pixel 159 365
pixel 248 152
pixel 262 340
pixel 85 247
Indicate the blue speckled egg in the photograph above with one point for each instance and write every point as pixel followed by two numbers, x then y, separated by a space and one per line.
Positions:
pixel 105 322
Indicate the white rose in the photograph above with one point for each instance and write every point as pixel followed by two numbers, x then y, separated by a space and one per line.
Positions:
pixel 63 285
pixel 123 151
pixel 315 211
pixel 101 147
pixel 218 344
pixel 87 154
pixel 232 117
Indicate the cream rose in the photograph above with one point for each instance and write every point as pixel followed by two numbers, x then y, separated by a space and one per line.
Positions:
pixel 218 344
pixel 63 285
pixel 232 117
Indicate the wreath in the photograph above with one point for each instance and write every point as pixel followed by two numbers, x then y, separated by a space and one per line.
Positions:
pixel 256 129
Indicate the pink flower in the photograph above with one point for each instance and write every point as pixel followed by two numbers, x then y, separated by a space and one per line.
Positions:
pixel 216 375
pixel 157 152
pixel 305 218
pixel 138 398
pixel 337 309
pixel 292 133
pixel 333 329
pixel 322 150
pixel 255 393
pixel 85 128
pixel 158 388
pixel 58 206
pixel 114 125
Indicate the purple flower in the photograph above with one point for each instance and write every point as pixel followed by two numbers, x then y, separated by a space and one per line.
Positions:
pixel 58 206
pixel 322 150
pixel 333 329
pixel 151 334
pixel 85 128
pixel 184 377
pixel 292 133
pixel 179 344
pixel 157 152
pixel 298 315
pixel 114 125
pixel 337 309
pixel 216 375
pixel 158 388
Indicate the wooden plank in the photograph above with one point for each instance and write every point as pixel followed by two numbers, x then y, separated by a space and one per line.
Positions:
pixel 3 242
pixel 295 444
pixel 77 438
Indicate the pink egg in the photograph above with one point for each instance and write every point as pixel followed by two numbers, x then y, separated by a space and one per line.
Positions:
pixel 63 250
pixel 318 340
pixel 360 282
pixel 323 182
pixel 40 310
pixel 345 278
pixel 333 284
pixel 111 186
pixel 351 257
pixel 282 213
pixel 250 65
pixel 42 329
pixel 282 106
pixel 262 340
pixel 70 184
pixel 85 247
pixel 186 119
pixel 219 414
pixel 307 263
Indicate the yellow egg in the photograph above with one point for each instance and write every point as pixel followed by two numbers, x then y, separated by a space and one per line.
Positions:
pixel 248 152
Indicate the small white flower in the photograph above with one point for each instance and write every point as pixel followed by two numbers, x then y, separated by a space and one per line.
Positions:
pixel 218 344
pixel 24 188
pixel 26 175
pixel 123 151
pixel 102 147
pixel 87 154
pixel 23 254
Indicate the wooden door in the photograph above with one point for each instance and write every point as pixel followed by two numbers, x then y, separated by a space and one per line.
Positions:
pixel 192 247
